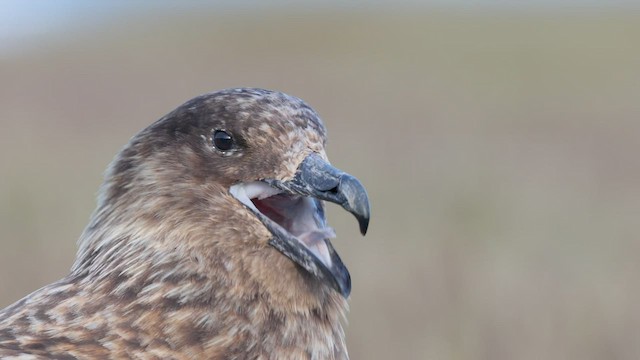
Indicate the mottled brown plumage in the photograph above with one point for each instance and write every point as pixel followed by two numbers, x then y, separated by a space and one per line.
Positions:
pixel 175 265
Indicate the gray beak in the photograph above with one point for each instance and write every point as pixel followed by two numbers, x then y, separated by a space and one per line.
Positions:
pixel 318 180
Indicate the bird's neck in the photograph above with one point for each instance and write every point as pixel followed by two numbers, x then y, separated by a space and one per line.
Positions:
pixel 222 318
pixel 205 294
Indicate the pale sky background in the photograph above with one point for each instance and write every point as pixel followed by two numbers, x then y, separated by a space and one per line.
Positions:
pixel 28 23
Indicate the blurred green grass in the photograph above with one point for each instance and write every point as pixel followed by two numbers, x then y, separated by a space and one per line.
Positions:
pixel 498 148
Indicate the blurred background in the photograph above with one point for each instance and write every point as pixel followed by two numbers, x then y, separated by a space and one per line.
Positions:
pixel 498 141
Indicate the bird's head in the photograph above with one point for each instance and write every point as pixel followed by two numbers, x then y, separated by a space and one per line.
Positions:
pixel 237 178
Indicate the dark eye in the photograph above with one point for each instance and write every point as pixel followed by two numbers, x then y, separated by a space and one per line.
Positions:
pixel 222 140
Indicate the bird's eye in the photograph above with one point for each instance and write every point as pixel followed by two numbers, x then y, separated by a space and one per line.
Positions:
pixel 222 140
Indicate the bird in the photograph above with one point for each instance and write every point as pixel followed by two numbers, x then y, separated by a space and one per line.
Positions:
pixel 209 241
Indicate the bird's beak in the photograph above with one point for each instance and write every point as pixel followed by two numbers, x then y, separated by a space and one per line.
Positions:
pixel 317 180
pixel 293 211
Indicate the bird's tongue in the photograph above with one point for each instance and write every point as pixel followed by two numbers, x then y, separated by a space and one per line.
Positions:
pixel 296 215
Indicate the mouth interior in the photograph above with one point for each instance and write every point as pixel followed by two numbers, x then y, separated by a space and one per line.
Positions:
pixel 292 214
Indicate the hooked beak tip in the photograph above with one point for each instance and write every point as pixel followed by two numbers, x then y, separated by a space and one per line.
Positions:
pixel 357 200
pixel 364 224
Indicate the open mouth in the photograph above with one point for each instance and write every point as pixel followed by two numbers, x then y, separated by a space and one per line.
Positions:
pixel 292 215
pixel 293 211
